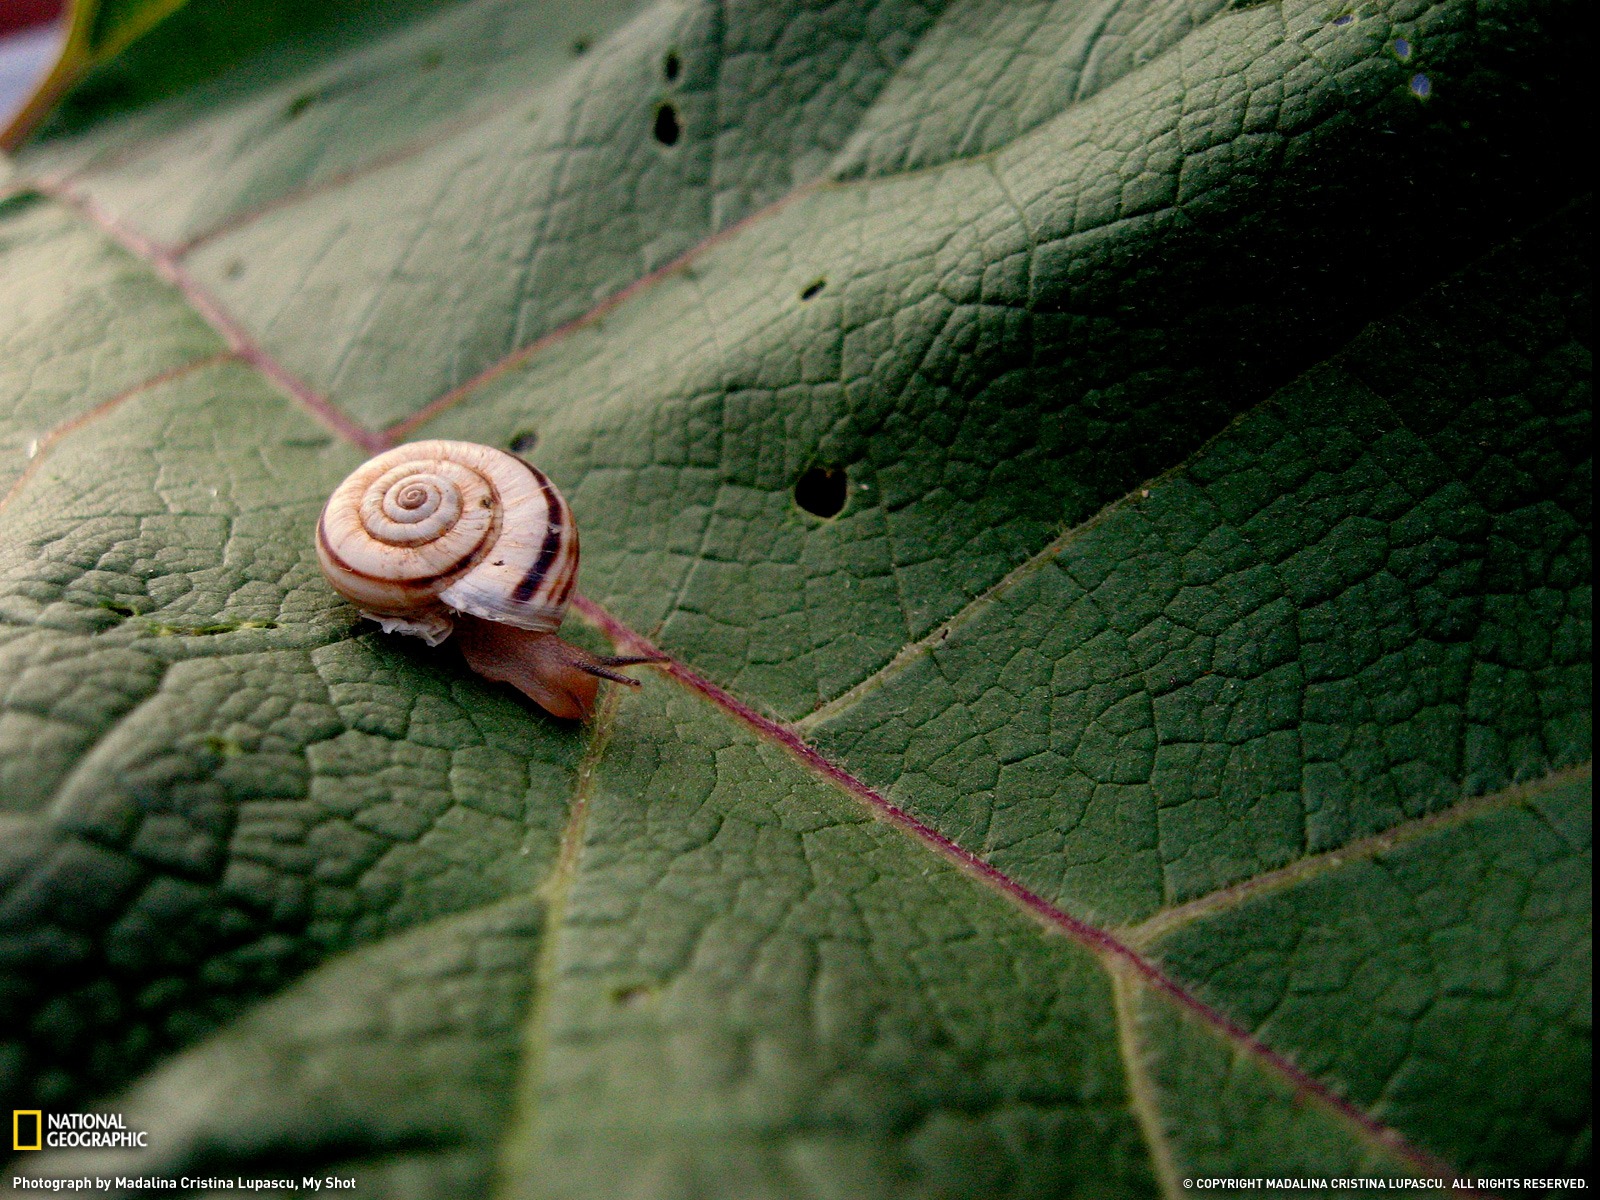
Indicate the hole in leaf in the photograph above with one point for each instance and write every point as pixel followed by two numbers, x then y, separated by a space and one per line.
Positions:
pixel 667 128
pixel 632 997
pixel 1421 87
pixel 524 441
pixel 672 67
pixel 811 289
pixel 822 491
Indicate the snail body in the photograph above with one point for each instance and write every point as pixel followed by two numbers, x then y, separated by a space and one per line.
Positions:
pixel 441 537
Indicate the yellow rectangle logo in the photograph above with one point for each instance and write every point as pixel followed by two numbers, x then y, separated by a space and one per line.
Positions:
pixel 21 1120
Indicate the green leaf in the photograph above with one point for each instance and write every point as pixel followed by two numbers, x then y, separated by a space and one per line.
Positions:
pixel 1167 758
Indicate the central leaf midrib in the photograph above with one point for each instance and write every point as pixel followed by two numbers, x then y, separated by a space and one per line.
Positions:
pixel 1112 953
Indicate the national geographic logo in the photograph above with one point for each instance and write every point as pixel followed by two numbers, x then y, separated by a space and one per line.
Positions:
pixel 27 1129
pixel 35 1129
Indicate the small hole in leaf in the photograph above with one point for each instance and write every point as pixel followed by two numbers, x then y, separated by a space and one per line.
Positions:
pixel 1402 49
pixel 524 441
pixel 1421 87
pixel 809 292
pixel 672 67
pixel 632 997
pixel 667 128
pixel 822 491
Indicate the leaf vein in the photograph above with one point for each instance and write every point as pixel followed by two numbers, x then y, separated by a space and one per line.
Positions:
pixel 243 346
pixel 1103 943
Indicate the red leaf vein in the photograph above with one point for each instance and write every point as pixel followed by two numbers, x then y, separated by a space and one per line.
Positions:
pixel 1097 940
pixel 165 262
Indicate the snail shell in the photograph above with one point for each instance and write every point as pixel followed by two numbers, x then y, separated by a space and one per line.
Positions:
pixel 434 528
pixel 438 537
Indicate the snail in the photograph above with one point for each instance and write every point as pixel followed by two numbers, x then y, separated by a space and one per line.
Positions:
pixel 437 537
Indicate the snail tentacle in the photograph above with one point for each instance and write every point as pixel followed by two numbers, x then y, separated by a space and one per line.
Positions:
pixel 601 664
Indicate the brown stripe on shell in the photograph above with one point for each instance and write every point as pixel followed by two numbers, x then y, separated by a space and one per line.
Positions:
pixel 556 510
pixel 327 548
pixel 570 576
pixel 565 569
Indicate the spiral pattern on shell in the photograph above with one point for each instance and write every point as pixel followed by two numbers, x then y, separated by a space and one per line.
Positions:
pixel 439 526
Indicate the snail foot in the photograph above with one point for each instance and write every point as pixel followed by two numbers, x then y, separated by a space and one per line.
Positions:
pixel 561 678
